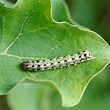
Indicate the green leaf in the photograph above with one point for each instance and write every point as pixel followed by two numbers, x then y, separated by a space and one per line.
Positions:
pixel 7 3
pixel 28 32
pixel 35 97
pixel 24 94
pixel 60 13
pixel 38 97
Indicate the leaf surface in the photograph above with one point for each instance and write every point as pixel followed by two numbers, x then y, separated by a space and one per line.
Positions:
pixel 28 32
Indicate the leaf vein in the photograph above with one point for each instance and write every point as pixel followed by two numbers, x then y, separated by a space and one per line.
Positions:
pixel 19 32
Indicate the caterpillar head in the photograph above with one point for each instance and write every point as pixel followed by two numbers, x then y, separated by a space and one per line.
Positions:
pixel 85 55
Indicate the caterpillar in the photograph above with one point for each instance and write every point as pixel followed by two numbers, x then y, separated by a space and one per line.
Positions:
pixel 65 61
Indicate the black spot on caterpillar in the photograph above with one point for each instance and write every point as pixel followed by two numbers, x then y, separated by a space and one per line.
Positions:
pixel 41 65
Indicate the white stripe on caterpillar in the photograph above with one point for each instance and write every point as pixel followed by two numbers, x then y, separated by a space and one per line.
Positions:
pixel 41 65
